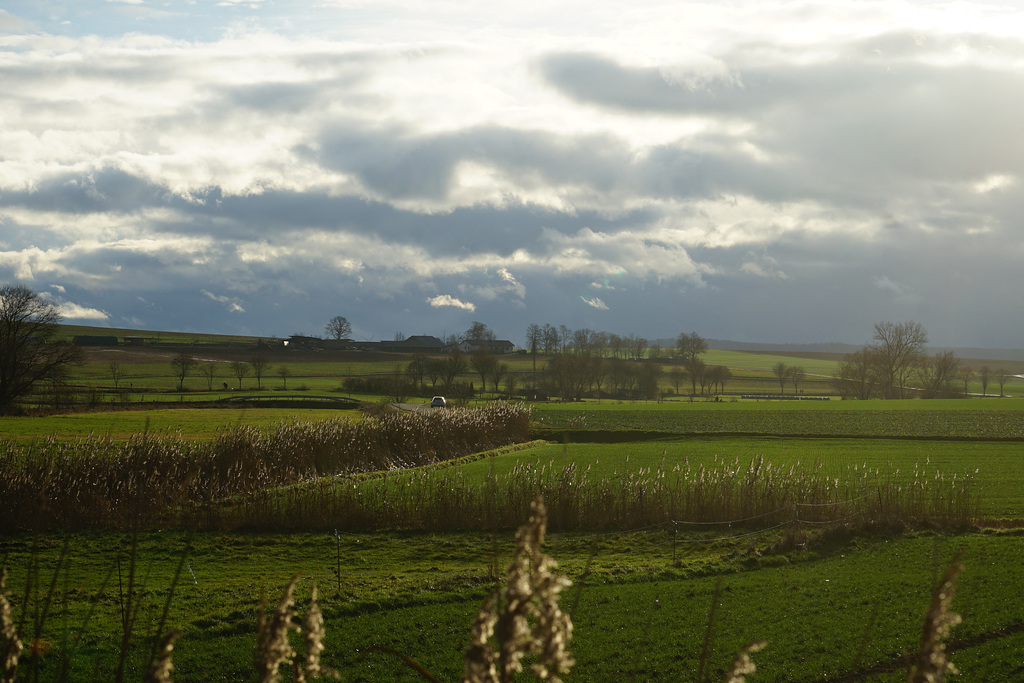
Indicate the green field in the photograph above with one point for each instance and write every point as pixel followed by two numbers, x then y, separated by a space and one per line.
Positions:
pixel 995 470
pixel 836 598
pixel 645 618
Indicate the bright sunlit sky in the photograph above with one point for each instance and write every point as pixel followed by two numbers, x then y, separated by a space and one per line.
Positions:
pixel 756 171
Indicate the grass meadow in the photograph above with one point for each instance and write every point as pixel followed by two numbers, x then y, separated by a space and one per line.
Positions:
pixel 689 530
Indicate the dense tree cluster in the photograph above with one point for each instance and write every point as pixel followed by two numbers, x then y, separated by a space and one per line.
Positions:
pixel 586 362
pixel 896 365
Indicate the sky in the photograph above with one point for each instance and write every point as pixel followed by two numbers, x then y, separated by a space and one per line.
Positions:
pixel 779 172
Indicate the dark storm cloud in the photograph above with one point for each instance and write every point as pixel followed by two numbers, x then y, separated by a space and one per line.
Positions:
pixel 402 164
pixel 107 190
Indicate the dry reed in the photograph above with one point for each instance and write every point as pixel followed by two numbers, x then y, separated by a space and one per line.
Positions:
pixel 931 664
pixel 10 645
pixel 94 483
pixel 523 619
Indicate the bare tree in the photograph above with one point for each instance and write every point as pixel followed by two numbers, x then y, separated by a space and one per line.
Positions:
pixel 498 371
pixel 966 375
pixel 859 374
pixel 183 363
pixel 117 372
pixel 433 368
pixel 985 376
pixel 676 376
pixel 696 368
pixel 416 368
pixel 781 371
pixel 511 381
pixel 637 347
pixel 454 365
pixel 1002 376
pixel 938 373
pixel 208 371
pixel 284 372
pixel 648 379
pixel 338 327
pixel 724 375
pixel 564 337
pixel 240 370
pixel 398 385
pixel 482 362
pixel 29 352
pixel 549 338
pixel 259 365
pixel 899 347
pixel 796 375
pixel 534 337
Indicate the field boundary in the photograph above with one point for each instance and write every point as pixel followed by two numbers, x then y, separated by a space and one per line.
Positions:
pixel 556 435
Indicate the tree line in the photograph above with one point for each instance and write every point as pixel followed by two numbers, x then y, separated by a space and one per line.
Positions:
pixel 896 365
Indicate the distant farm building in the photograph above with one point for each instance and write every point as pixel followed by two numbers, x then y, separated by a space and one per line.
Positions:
pixel 495 346
pixel 94 340
pixel 137 341
pixel 418 343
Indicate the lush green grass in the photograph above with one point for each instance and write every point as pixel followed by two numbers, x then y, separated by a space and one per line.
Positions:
pixel 699 404
pixel 923 419
pixel 642 616
pixel 742 360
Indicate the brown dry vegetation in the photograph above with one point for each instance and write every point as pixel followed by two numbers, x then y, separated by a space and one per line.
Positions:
pixel 95 483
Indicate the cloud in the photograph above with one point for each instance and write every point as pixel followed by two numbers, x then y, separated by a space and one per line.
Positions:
pixel 72 311
pixel 762 266
pixel 233 304
pixel 444 300
pixel 299 158
pixel 9 22
pixel 518 289
pixel 900 293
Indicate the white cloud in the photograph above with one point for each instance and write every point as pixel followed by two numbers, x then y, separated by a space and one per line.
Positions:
pixel 514 285
pixel 233 304
pixel 445 300
pixel 293 156
pixel 71 311
pixel 595 302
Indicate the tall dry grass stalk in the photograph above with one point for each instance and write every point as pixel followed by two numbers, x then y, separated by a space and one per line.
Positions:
pixel 523 619
pixel 576 500
pixel 272 645
pixel 161 666
pixel 743 665
pixel 10 645
pixel 93 483
pixel 932 663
